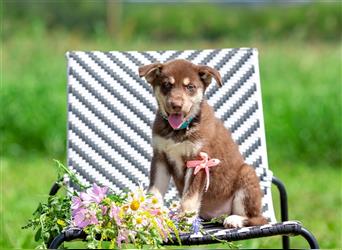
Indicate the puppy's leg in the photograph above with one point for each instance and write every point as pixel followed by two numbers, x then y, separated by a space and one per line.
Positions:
pixel 246 208
pixel 192 192
pixel 238 217
pixel 159 177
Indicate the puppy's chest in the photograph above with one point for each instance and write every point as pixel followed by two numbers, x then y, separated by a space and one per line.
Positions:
pixel 176 152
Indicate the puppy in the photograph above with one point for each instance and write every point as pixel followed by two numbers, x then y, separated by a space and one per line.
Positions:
pixel 184 126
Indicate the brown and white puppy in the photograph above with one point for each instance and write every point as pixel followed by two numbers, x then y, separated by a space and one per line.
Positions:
pixel 184 126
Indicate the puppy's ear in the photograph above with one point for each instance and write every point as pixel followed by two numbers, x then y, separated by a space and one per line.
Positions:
pixel 206 73
pixel 150 71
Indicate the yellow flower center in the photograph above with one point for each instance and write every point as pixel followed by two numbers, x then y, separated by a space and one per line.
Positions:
pixel 135 204
pixel 154 200
pixel 142 198
pixel 139 220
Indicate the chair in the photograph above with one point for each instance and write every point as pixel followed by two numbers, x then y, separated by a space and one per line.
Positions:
pixel 110 112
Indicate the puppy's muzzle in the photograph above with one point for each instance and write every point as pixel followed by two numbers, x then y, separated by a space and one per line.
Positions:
pixel 176 105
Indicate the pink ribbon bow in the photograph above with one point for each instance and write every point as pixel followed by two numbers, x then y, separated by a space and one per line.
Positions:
pixel 205 164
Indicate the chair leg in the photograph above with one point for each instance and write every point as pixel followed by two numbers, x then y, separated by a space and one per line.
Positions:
pixel 57 241
pixel 286 241
pixel 310 238
pixel 283 208
pixel 67 235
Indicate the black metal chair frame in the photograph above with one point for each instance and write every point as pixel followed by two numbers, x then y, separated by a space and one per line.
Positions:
pixel 284 230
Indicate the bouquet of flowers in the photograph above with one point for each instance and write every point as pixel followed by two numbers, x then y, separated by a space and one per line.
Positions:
pixel 135 217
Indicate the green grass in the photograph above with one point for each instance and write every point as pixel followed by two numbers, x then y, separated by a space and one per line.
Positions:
pixel 314 199
pixel 302 102
pixel 300 83
pixel 311 21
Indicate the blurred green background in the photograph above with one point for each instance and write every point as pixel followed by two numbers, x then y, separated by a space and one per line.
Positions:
pixel 300 65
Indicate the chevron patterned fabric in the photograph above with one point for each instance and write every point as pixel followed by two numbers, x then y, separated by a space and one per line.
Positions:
pixel 111 110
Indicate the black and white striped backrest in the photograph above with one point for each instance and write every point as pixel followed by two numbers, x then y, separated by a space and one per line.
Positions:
pixel 111 109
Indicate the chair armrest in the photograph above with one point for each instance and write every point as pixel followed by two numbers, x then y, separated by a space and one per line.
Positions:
pixel 283 208
pixel 55 187
pixel 283 198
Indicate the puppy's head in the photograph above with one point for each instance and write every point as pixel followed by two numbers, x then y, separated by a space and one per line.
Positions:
pixel 179 86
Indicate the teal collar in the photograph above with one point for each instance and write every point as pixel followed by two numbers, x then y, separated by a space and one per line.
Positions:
pixel 185 124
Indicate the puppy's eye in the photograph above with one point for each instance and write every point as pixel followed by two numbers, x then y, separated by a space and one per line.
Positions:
pixel 167 86
pixel 190 87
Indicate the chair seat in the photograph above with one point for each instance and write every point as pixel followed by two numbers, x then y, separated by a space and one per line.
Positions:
pixel 212 233
pixel 216 232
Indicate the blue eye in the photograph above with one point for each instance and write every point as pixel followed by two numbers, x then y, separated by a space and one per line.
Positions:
pixel 190 87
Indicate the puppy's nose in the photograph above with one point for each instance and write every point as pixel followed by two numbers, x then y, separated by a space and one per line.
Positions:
pixel 176 105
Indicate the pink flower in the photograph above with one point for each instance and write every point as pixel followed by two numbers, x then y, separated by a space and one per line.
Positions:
pixel 85 217
pixel 99 192
pixel 114 213
pixel 119 239
pixel 155 211
pixel 94 194
pixel 76 204
pixel 122 236
pixel 104 209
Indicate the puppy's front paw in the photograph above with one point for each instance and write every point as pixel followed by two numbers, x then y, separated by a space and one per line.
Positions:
pixel 234 221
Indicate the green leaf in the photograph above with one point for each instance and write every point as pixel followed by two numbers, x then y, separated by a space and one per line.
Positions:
pixel 38 235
